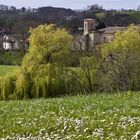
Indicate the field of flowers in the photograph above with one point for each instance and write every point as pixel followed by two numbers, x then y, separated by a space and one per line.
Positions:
pixel 86 117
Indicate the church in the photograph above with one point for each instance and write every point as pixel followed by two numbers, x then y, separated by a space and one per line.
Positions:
pixel 93 37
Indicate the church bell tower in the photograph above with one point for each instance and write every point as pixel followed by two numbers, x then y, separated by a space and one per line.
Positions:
pixel 89 25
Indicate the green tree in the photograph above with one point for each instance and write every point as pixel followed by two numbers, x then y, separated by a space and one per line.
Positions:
pixel 41 70
pixel 90 67
pixel 46 42
pixel 122 60
pixel 41 73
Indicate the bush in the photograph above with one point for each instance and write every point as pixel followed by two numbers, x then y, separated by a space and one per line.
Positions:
pixel 122 61
pixel 11 57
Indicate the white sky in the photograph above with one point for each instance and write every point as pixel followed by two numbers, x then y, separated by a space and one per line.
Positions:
pixel 74 4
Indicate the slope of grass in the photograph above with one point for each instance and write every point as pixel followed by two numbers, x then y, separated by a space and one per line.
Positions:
pixel 4 69
pixel 114 116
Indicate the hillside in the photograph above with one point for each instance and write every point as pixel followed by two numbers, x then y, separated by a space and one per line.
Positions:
pixel 99 116
pixel 14 19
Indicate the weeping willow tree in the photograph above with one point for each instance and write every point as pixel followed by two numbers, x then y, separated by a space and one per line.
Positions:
pixel 7 87
pixel 46 42
pixel 42 74
pixel 22 85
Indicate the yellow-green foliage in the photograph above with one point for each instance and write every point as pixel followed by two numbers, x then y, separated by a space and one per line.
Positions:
pixel 46 41
pixel 89 69
pixel 7 87
pixel 44 74
pixel 125 41
pixel 41 73
pixel 47 82
pixel 22 84
pixel 124 59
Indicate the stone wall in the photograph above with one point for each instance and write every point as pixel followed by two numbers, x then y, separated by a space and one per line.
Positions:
pixel 79 43
pixel 90 41
pixel 86 42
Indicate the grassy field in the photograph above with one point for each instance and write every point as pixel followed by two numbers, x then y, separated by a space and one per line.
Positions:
pixel 108 117
pixel 4 69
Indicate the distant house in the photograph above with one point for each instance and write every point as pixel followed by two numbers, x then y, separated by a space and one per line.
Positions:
pixel 8 40
pixel 10 43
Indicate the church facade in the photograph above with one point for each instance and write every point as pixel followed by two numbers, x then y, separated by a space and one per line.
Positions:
pixel 93 37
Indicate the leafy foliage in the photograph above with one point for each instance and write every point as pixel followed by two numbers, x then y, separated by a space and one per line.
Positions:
pixel 11 57
pixel 42 73
pixel 122 60
pixel 90 67
pixel 45 70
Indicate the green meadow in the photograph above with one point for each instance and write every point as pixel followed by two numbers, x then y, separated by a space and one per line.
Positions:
pixel 4 69
pixel 83 117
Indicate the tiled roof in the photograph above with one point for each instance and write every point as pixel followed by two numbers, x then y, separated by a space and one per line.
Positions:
pixel 89 19
pixel 112 29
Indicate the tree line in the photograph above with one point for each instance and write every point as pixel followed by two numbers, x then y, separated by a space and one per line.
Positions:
pixel 14 19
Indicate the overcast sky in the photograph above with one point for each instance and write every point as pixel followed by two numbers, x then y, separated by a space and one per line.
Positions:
pixel 74 4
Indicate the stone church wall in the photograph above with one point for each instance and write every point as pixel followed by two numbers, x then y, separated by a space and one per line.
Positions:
pixel 107 37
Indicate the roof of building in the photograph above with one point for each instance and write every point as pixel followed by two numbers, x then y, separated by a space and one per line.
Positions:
pixel 9 38
pixel 89 19
pixel 112 30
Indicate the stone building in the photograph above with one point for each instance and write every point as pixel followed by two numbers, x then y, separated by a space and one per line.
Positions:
pixel 10 43
pixel 93 37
